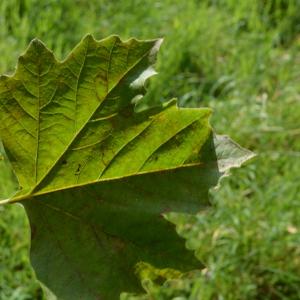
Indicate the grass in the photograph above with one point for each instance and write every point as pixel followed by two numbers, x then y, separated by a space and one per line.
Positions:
pixel 242 59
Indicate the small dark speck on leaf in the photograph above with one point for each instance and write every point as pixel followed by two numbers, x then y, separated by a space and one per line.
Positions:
pixel 33 231
pixel 78 169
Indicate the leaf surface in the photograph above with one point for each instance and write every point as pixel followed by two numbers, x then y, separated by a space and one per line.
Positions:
pixel 96 178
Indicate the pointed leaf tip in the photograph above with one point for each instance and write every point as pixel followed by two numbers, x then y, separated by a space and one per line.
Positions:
pixel 36 45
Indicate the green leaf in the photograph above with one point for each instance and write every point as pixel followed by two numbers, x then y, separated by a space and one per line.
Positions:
pixel 8 182
pixel 96 177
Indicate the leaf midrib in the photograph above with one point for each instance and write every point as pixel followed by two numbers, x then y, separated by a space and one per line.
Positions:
pixel 38 122
pixel 102 180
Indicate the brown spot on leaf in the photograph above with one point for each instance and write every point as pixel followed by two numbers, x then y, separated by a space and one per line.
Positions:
pixel 33 231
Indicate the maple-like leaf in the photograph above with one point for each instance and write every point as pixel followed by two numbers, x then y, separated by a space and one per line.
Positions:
pixel 96 177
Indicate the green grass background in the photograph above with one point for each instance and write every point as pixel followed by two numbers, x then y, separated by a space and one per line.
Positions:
pixel 240 57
